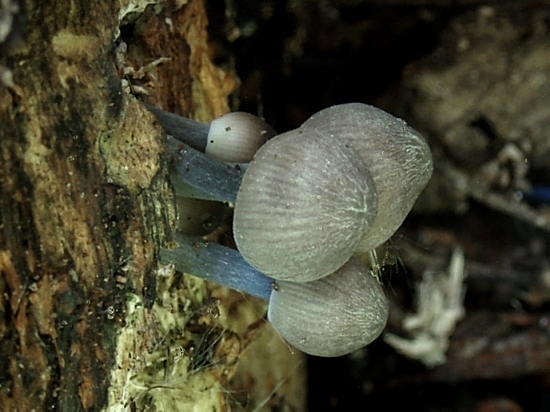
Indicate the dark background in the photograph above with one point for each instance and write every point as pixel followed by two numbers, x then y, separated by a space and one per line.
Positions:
pixel 474 78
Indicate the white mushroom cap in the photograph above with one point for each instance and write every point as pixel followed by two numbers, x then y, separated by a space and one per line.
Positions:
pixel 235 137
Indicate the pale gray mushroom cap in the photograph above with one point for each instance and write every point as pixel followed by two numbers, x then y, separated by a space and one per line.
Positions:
pixel 235 137
pixel 332 316
pixel 303 206
pixel 398 158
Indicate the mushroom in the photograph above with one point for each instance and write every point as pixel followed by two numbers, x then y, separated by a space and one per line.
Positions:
pixel 329 317
pixel 308 201
pixel 332 316
pixel 398 159
pixel 303 206
pixel 232 138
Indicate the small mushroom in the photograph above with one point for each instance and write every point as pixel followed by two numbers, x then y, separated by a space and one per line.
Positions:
pixel 303 206
pixel 233 137
pixel 329 317
pixel 332 316
pixel 397 157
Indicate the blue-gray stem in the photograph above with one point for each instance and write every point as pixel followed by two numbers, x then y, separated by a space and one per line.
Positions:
pixel 211 179
pixel 185 130
pixel 218 264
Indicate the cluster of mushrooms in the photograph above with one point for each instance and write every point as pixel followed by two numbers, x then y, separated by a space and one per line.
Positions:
pixel 307 204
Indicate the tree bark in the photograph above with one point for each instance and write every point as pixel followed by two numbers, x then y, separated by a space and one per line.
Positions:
pixel 84 206
pixel 88 321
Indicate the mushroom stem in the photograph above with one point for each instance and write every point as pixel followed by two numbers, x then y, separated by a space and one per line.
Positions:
pixel 218 264
pixel 328 317
pixel 185 130
pixel 210 179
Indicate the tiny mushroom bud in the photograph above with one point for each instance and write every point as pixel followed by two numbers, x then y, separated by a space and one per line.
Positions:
pixel 303 206
pixel 197 180
pixel 232 138
pixel 398 158
pixel 332 316
pixel 235 137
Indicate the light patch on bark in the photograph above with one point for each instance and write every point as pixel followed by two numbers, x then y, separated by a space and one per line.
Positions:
pixel 132 153
pixel 153 369
pixel 75 46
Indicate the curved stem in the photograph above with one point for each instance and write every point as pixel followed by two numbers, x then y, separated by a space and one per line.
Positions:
pixel 211 179
pixel 218 264
pixel 190 132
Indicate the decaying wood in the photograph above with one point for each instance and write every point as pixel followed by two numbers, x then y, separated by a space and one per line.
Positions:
pixel 88 319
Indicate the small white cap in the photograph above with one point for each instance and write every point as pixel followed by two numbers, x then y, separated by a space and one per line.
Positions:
pixel 235 137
